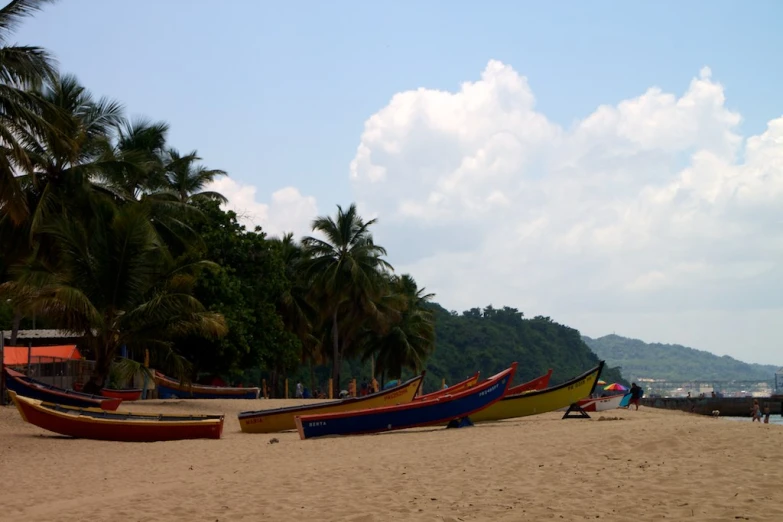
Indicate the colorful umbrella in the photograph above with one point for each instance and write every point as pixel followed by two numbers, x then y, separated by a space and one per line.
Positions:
pixel 602 383
pixel 615 387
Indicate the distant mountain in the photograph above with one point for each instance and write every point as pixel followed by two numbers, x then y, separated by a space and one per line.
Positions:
pixel 672 361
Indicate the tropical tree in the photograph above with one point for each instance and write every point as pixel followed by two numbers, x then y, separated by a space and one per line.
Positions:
pixel 186 180
pixel 115 283
pixel 407 338
pixel 345 270
pixel 22 68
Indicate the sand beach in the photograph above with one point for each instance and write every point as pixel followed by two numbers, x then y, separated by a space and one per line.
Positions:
pixel 650 465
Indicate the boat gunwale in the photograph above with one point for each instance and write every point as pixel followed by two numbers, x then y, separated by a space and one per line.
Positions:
pixel 195 387
pixel 596 369
pixel 420 404
pixel 55 390
pixel 444 391
pixel 547 374
pixel 43 407
pixel 351 400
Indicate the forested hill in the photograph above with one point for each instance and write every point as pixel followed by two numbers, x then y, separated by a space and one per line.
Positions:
pixel 490 339
pixel 673 361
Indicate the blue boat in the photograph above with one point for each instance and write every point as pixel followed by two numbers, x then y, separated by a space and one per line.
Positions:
pixel 440 410
pixel 170 389
pixel 27 387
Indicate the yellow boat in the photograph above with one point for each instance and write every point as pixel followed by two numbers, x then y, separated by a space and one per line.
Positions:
pixel 281 419
pixel 541 401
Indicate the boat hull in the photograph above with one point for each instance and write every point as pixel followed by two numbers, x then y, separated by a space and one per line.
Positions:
pixel 171 389
pixel 600 403
pixel 27 387
pixel 542 401
pixel 539 383
pixel 413 415
pixel 451 390
pixel 125 395
pixel 97 424
pixel 282 419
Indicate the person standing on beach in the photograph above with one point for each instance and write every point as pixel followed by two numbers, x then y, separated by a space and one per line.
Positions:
pixel 636 394
pixel 755 411
pixel 299 390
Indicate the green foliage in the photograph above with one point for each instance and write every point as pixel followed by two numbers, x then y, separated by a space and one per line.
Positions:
pixel 673 362
pixel 490 339
pixel 250 277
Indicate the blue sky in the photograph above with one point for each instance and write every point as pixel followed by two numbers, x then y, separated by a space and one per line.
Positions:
pixel 281 90
pixel 278 93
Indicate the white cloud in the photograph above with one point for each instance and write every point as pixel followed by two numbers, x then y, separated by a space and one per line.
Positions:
pixel 288 210
pixel 654 204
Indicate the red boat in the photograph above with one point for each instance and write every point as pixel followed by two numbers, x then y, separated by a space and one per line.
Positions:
pixel 125 395
pixel 94 423
pixel 460 386
pixel 539 383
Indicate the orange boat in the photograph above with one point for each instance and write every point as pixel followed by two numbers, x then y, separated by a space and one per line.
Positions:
pixel 460 386
pixel 539 383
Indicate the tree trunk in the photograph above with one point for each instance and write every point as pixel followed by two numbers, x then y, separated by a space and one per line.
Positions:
pixel 335 357
pixel 312 379
pixel 103 360
pixel 15 327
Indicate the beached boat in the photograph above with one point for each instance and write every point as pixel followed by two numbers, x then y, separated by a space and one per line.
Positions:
pixel 281 419
pixel 172 389
pixel 539 383
pixel 28 387
pixel 440 410
pixel 94 423
pixel 611 402
pixel 542 401
pixel 126 395
pixel 451 390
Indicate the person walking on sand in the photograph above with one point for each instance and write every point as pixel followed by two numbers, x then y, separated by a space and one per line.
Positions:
pixel 636 394
pixel 756 411
pixel 766 414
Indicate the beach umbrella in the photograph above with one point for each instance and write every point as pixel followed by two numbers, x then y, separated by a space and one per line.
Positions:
pixel 602 383
pixel 615 387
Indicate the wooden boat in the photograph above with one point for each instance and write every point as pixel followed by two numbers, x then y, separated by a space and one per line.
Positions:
pixel 610 402
pixel 539 383
pixel 281 419
pixel 172 389
pixel 24 385
pixel 542 401
pixel 94 423
pixel 126 395
pixel 440 410
pixel 451 390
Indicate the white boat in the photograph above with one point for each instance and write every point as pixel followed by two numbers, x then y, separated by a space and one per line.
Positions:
pixel 610 402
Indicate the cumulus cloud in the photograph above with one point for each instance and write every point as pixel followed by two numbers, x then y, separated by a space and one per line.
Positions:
pixel 653 204
pixel 288 210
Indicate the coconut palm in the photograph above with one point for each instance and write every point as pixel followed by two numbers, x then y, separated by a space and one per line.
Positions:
pixel 345 270
pixel 186 179
pixel 116 284
pixel 21 68
pixel 408 338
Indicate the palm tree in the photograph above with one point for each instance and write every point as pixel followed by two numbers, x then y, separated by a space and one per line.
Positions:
pixel 63 170
pixel 408 339
pixel 186 179
pixel 116 284
pixel 345 270
pixel 21 68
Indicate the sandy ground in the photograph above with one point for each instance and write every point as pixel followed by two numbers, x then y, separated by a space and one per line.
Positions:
pixel 650 465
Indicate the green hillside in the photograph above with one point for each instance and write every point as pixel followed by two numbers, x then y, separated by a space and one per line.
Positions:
pixel 489 339
pixel 672 361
